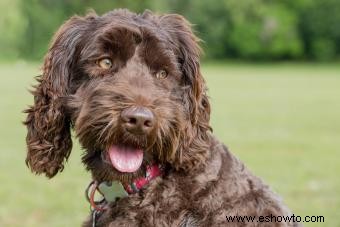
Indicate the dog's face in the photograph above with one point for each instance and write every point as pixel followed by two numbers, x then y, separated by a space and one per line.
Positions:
pixel 131 88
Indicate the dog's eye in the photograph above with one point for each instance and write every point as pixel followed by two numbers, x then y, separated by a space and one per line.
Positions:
pixel 161 74
pixel 105 63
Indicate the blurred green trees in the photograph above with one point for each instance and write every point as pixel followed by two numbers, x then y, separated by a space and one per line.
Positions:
pixel 12 27
pixel 247 29
pixel 320 29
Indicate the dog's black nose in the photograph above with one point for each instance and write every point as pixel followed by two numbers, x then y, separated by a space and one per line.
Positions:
pixel 137 120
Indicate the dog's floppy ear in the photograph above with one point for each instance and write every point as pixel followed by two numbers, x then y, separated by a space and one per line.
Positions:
pixel 195 98
pixel 48 139
pixel 188 53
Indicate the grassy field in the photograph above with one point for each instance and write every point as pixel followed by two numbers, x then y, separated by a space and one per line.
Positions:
pixel 282 120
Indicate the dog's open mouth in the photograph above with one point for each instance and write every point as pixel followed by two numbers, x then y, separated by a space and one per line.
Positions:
pixel 125 159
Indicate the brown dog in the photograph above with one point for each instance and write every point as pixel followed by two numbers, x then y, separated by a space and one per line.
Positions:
pixel 130 86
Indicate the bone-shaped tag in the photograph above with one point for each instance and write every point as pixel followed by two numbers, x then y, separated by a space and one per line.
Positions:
pixel 112 190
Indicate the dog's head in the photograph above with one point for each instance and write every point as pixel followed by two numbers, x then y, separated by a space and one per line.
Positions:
pixel 130 86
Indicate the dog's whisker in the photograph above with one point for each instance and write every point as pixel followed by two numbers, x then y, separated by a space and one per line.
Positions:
pixel 104 130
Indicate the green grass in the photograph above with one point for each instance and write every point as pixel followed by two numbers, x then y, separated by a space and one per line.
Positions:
pixel 282 120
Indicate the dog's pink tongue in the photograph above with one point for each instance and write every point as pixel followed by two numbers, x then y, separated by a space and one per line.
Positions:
pixel 125 159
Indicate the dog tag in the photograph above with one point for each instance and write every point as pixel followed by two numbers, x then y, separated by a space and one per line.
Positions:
pixel 112 190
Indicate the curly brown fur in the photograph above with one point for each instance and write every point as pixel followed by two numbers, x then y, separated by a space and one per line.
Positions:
pixel 202 182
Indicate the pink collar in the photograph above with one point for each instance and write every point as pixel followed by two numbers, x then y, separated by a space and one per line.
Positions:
pixel 151 173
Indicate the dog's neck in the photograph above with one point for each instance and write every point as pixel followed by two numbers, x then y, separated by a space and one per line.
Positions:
pixel 152 171
pixel 113 190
